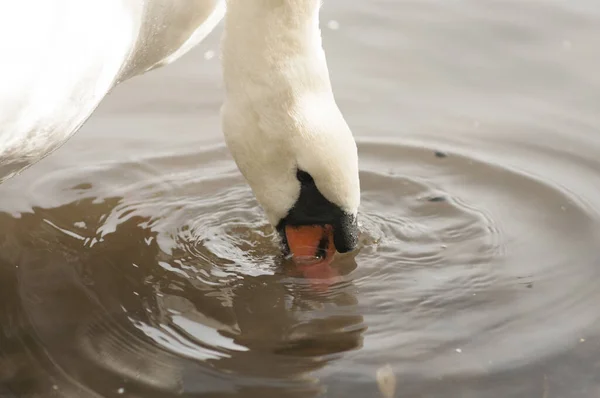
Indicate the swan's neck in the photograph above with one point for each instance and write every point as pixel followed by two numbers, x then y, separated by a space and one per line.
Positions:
pixel 274 44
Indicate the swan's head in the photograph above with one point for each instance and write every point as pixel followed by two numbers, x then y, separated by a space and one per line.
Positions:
pixel 302 165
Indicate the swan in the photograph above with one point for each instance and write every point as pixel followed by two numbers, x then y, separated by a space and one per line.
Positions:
pixel 279 118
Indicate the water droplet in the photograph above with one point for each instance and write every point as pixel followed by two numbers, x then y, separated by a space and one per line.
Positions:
pixel 210 54
pixel 333 25
pixel 459 350
pixel 121 390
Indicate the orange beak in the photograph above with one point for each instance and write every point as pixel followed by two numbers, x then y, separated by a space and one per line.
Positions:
pixel 310 244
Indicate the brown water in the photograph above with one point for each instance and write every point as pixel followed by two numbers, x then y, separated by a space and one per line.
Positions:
pixel 135 262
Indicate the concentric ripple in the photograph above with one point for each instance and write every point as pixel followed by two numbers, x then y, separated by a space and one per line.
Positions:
pixel 162 278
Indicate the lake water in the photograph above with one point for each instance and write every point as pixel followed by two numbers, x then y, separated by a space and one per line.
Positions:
pixel 135 262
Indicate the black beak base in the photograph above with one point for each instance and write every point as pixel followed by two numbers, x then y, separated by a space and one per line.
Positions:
pixel 312 208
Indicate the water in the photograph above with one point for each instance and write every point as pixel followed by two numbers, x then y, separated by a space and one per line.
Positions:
pixel 135 262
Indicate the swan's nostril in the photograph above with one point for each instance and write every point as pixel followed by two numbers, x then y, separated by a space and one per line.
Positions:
pixel 321 251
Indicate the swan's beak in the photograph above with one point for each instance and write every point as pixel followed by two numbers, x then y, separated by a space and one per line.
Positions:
pixel 310 244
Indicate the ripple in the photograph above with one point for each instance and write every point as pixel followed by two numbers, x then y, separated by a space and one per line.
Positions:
pixel 165 274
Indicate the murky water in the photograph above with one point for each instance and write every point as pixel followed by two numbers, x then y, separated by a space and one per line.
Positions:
pixel 135 262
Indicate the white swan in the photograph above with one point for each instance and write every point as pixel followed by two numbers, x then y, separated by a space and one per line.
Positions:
pixel 280 119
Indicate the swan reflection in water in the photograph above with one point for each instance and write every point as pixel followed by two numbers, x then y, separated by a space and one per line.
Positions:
pixel 125 315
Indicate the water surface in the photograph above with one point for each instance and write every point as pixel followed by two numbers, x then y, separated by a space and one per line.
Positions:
pixel 135 262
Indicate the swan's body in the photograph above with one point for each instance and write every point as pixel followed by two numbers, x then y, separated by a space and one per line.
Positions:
pixel 280 118
pixel 59 59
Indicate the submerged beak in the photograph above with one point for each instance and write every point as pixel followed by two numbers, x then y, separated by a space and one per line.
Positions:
pixel 310 244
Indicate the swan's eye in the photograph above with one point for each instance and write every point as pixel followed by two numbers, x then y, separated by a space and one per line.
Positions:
pixel 304 177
